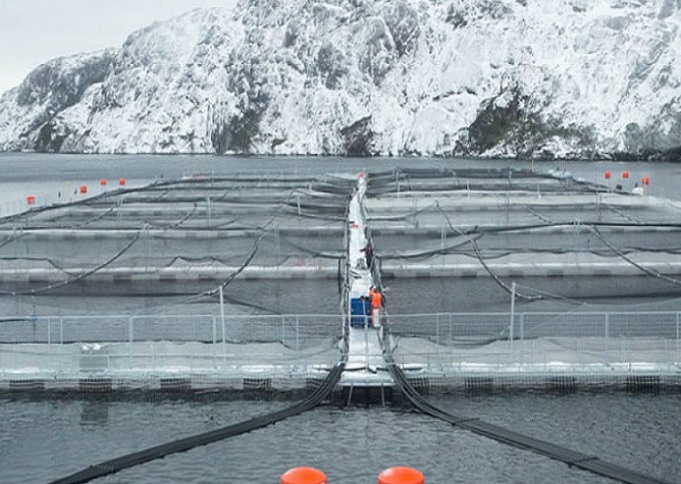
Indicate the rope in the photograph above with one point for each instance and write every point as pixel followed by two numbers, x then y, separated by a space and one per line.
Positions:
pixel 80 277
pixel 598 234
pixel 492 274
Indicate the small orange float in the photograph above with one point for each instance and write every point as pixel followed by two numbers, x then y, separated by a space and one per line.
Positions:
pixel 303 475
pixel 401 475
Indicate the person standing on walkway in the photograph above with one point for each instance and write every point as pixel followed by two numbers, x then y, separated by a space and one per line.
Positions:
pixel 377 303
pixel 368 254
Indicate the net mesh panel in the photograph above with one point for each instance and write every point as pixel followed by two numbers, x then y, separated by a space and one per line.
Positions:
pixel 481 328
pixel 183 239
pixel 577 343
pixel 294 224
pixel 483 218
pixel 497 225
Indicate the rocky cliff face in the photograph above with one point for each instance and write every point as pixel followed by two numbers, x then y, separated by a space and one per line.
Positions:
pixel 569 78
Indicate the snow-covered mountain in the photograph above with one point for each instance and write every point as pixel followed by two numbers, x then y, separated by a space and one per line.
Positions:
pixel 571 78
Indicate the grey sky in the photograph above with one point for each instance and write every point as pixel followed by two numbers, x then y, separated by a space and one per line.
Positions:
pixel 34 31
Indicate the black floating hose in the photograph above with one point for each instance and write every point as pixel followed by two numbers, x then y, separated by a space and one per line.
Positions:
pixel 182 445
pixel 572 458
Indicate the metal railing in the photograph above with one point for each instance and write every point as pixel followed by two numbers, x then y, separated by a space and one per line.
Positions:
pixel 539 339
pixel 464 341
pixel 157 342
pixel 296 331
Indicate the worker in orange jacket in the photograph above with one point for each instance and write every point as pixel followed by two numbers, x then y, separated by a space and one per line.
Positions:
pixel 377 303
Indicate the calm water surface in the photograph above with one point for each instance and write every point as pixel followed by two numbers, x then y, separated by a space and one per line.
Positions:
pixel 43 438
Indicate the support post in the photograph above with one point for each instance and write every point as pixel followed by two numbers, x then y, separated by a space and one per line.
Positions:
pixel 222 321
pixel 607 336
pixel 522 337
pixel 510 328
pixel 49 341
pixel 61 342
pixel 366 348
pixel 215 337
pixel 283 330
pixel 451 337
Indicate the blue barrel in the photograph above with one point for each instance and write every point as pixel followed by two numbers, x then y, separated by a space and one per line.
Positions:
pixel 359 311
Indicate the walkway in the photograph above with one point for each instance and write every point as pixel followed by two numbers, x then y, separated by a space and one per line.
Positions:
pixel 365 366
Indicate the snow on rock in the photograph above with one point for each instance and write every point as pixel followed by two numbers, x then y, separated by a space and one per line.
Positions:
pixel 568 78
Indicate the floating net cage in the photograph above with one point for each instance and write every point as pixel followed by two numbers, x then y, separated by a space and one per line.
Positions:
pixel 456 249
pixel 504 267
pixel 469 234
pixel 117 266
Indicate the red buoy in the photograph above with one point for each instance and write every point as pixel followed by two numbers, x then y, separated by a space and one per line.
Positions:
pixel 83 189
pixel 303 475
pixel 646 180
pixel 401 475
pixel 121 181
pixel 30 199
pixel 608 175
pixel 625 175
pixel 102 182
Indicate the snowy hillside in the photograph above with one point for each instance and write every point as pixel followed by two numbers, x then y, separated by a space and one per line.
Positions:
pixel 570 78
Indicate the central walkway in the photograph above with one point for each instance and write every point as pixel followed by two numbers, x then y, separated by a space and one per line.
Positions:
pixel 365 365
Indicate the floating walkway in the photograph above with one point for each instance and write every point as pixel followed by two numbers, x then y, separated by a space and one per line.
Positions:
pixel 366 366
pixel 515 246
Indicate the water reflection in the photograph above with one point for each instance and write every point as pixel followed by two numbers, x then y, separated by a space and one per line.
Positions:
pixel 94 412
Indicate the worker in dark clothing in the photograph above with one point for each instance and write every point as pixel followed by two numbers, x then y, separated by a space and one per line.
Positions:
pixel 368 254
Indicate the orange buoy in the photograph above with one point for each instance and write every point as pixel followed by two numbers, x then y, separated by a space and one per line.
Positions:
pixel 83 189
pixel 608 175
pixel 121 181
pixel 401 475
pixel 646 180
pixel 625 175
pixel 102 182
pixel 30 199
pixel 303 475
